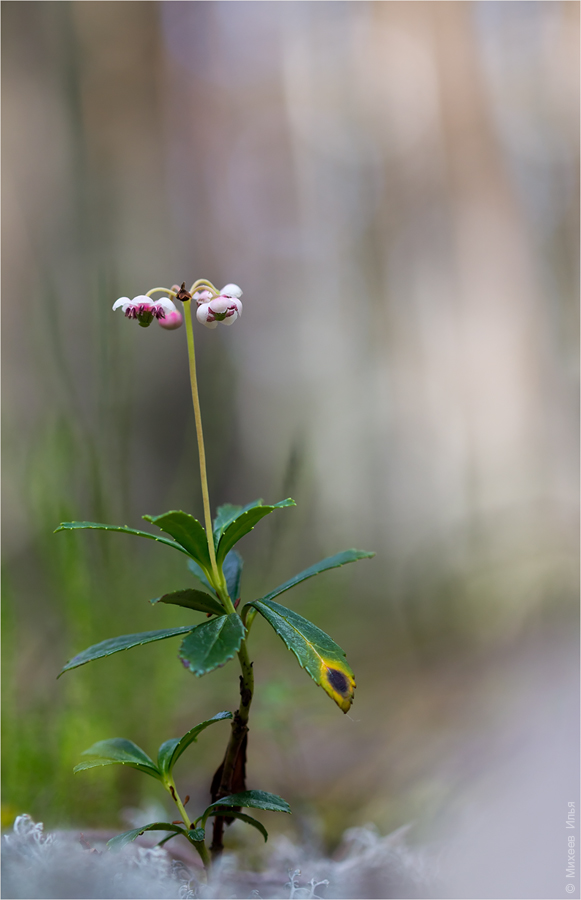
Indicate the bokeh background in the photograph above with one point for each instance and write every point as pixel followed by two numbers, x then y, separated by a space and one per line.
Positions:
pixel 395 187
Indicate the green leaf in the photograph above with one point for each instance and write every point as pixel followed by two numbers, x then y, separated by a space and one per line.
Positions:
pixel 188 532
pixel 170 751
pixel 212 644
pixel 232 569
pixel 243 523
pixel 118 751
pixel 197 834
pixel 331 562
pixel 70 526
pixel 124 642
pixel 316 652
pixel 244 818
pixel 120 840
pixel 168 837
pixel 226 514
pixel 197 570
pixel 192 599
pixel 253 799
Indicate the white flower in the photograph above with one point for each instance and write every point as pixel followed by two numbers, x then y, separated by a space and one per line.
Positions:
pixel 144 309
pixel 226 307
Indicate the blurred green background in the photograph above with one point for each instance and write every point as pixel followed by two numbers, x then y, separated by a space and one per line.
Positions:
pixel 394 186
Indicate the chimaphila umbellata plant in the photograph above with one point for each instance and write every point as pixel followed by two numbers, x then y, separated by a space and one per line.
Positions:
pixel 217 566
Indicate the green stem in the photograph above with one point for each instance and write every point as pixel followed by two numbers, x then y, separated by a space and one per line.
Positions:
pixel 206 284
pixel 199 845
pixel 161 290
pixel 205 856
pixel 218 581
pixel 177 800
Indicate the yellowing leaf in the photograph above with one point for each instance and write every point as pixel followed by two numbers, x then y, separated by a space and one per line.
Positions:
pixel 316 652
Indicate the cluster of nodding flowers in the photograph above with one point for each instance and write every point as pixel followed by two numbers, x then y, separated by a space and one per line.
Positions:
pixel 213 306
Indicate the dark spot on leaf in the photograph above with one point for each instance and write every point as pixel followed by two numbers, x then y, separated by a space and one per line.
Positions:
pixel 339 682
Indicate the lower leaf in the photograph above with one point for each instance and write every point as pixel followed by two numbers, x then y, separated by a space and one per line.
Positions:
pixel 244 818
pixel 252 799
pixel 118 751
pixel 120 840
pixel 170 751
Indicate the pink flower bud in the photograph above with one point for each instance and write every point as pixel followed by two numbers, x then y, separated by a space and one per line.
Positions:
pixel 171 321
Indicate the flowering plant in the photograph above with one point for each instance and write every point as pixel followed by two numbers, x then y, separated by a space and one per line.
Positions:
pixel 217 566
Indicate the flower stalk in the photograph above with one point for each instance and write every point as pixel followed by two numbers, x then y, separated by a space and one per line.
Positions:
pixel 218 578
